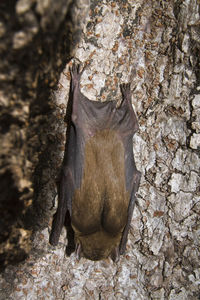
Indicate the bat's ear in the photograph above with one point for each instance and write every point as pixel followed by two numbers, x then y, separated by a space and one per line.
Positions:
pixel 115 254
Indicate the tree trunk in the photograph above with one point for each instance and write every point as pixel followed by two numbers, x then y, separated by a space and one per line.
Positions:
pixel 156 46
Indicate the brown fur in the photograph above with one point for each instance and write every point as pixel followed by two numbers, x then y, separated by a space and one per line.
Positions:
pixel 100 206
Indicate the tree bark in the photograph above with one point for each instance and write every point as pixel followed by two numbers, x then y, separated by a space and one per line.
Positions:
pixel 153 44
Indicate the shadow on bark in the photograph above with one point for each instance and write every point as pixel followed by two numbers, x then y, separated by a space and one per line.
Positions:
pixel 31 73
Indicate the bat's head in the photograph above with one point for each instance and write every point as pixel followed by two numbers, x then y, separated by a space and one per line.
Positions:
pixel 98 246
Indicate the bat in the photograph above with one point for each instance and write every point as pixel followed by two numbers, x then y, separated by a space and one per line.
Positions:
pixel 99 177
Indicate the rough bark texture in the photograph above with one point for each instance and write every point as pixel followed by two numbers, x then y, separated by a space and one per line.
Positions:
pixel 37 38
pixel 156 46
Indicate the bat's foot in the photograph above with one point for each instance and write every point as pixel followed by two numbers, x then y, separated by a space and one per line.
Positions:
pixel 126 92
pixel 125 89
pixel 75 69
pixel 76 73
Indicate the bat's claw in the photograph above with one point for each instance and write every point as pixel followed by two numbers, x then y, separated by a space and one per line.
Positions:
pixel 76 73
pixel 126 92
pixel 75 69
pixel 125 88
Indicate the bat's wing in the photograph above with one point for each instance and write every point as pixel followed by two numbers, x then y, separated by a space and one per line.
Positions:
pixel 127 130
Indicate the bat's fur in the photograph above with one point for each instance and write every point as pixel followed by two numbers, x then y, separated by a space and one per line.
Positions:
pixel 99 178
pixel 103 193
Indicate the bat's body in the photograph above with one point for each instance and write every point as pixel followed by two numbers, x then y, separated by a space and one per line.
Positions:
pixel 99 178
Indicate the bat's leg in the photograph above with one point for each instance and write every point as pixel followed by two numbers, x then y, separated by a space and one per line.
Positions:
pixel 136 181
pixel 59 217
